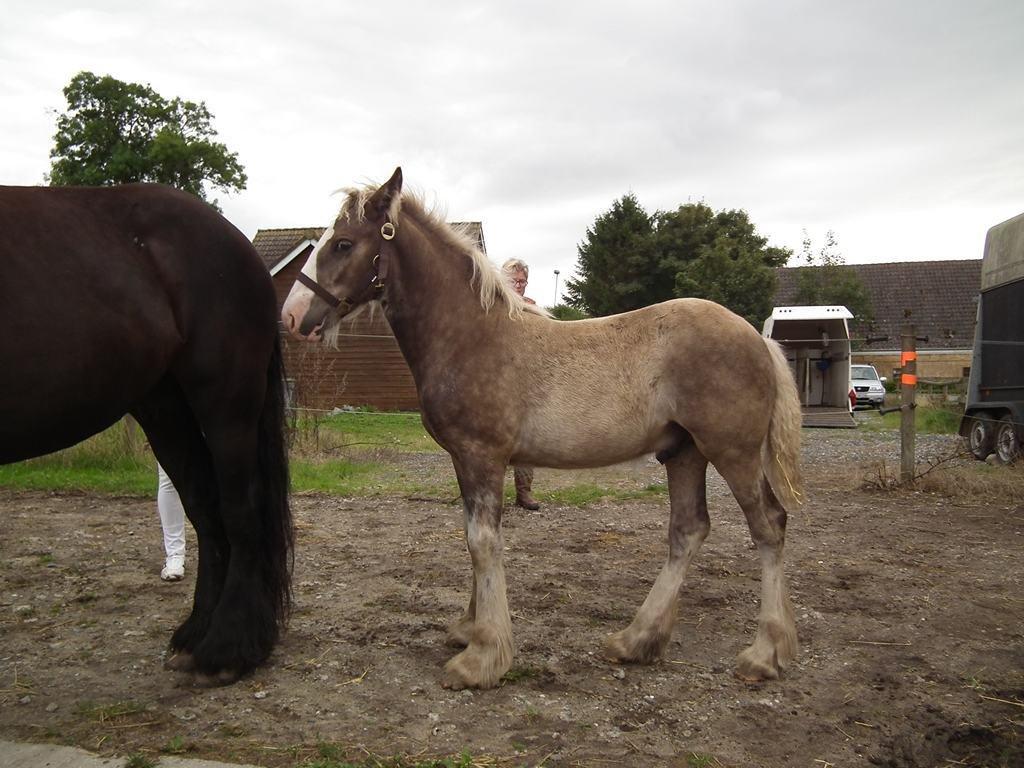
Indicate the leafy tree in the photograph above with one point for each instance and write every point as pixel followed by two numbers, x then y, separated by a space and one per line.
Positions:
pixel 828 280
pixel 733 276
pixel 631 259
pixel 565 312
pixel 115 133
pixel 719 256
pixel 614 267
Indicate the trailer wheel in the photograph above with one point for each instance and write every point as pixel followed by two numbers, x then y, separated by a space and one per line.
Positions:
pixel 1007 441
pixel 981 437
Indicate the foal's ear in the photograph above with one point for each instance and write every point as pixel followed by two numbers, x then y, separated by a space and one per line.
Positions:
pixel 385 200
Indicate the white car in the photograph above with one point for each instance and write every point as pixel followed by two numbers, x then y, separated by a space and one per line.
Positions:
pixel 867 385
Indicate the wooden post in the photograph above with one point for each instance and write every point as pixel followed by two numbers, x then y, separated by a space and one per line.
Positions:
pixel 908 404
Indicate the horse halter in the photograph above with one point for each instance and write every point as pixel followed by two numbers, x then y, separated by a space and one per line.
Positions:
pixel 371 285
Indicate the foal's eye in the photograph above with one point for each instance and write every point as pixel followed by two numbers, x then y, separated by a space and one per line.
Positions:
pixel 342 245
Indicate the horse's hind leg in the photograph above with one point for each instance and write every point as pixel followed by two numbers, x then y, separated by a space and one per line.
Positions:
pixel 488 652
pixel 243 627
pixel 647 636
pixel 240 412
pixel 775 643
pixel 179 447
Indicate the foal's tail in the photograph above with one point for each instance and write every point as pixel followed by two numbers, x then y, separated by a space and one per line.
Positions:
pixel 781 452
pixel 274 487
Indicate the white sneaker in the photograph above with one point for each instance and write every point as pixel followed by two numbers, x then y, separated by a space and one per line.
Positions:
pixel 174 568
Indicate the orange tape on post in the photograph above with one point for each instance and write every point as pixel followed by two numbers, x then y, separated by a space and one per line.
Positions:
pixel 909 379
pixel 908 357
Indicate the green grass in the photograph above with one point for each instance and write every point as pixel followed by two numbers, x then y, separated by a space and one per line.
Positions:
pixel 344 478
pixel 927 419
pixel 117 461
pixel 343 454
pixel 106 712
pixel 177 746
pixel 583 494
pixel 109 462
pixel 370 429
pixel 331 756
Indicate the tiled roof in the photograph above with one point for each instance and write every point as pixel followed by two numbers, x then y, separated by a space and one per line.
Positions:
pixel 274 244
pixel 941 297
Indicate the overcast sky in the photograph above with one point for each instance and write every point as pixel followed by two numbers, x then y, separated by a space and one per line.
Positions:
pixel 898 125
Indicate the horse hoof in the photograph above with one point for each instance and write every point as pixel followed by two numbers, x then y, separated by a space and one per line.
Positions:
pixel 473 668
pixel 628 647
pixel 182 661
pixel 224 677
pixel 751 669
pixel 459 634
pixel 615 649
pixel 453 681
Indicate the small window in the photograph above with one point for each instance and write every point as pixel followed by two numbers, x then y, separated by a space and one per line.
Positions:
pixel 966 372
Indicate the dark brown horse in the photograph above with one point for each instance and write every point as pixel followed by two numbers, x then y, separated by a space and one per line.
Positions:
pixel 687 380
pixel 143 300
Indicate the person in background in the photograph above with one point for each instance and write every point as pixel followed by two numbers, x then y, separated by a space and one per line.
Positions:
pixel 517 273
pixel 172 520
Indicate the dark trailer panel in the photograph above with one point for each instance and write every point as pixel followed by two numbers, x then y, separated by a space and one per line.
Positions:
pixel 994 416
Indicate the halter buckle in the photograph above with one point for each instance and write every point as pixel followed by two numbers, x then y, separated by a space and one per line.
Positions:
pixel 387 230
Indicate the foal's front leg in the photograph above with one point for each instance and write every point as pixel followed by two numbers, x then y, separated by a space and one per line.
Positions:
pixel 486 628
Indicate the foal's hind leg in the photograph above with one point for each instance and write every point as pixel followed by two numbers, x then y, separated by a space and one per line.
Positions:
pixel 647 636
pixel 775 643
pixel 488 652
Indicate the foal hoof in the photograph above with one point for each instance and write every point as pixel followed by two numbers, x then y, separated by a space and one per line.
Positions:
pixel 466 671
pixel 752 669
pixel 627 647
pixel 459 634
pixel 479 666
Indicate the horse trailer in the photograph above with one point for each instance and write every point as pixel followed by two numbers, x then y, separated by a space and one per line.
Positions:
pixel 816 341
pixel 993 420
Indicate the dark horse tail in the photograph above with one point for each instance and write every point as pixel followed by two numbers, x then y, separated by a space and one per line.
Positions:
pixel 273 477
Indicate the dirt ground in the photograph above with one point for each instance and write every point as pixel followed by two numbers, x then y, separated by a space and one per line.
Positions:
pixel 909 609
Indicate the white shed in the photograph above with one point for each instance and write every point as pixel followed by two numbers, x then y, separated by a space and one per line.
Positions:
pixel 816 341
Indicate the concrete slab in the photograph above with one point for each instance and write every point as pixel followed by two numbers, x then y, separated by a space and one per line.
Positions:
pixel 16 755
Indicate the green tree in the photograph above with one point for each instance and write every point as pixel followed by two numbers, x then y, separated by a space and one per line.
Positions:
pixel 734 277
pixel 828 280
pixel 116 133
pixel 721 257
pixel 615 267
pixel 565 312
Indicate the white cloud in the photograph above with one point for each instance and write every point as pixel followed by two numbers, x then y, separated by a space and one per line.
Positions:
pixel 896 125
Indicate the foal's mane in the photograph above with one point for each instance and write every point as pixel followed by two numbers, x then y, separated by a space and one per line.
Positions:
pixel 491 285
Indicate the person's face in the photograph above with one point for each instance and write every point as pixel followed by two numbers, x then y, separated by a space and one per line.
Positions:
pixel 518 280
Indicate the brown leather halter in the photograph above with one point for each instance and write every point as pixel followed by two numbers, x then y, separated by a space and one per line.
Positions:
pixel 371 285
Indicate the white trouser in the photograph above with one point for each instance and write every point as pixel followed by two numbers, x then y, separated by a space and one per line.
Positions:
pixel 172 515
